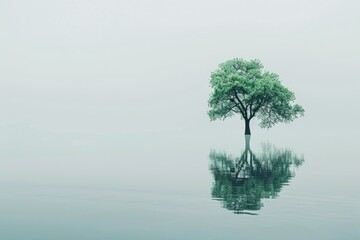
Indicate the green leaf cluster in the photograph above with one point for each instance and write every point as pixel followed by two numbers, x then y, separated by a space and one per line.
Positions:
pixel 243 87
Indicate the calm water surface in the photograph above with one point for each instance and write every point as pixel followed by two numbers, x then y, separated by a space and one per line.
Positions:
pixel 68 186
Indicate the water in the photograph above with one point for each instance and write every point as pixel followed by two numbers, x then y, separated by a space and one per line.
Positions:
pixel 241 183
pixel 62 186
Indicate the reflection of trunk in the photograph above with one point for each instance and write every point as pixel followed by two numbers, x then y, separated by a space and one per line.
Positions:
pixel 245 159
pixel 247 127
pixel 247 142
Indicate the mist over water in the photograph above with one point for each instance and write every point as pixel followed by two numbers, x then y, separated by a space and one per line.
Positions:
pixel 104 132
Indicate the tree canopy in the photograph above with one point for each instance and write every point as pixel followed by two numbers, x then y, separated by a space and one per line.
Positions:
pixel 245 88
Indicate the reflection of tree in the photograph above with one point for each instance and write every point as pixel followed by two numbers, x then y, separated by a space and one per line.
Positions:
pixel 241 183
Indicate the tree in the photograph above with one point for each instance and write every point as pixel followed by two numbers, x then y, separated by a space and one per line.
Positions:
pixel 243 87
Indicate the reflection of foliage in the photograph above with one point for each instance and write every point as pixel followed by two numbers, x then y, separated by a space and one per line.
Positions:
pixel 241 183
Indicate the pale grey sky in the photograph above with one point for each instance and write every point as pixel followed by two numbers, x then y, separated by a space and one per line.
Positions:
pixel 142 67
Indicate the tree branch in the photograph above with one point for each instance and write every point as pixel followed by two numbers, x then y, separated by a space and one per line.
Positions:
pixel 250 110
pixel 229 109
pixel 257 107
pixel 243 110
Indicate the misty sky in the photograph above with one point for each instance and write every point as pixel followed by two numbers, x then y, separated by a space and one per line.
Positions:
pixel 143 67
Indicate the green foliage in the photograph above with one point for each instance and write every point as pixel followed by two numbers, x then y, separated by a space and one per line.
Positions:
pixel 243 87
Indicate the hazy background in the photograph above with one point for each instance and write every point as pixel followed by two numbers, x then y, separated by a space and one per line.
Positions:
pixel 123 74
pixel 97 77
pixel 142 67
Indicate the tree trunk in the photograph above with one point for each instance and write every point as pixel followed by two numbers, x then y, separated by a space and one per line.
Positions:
pixel 247 127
